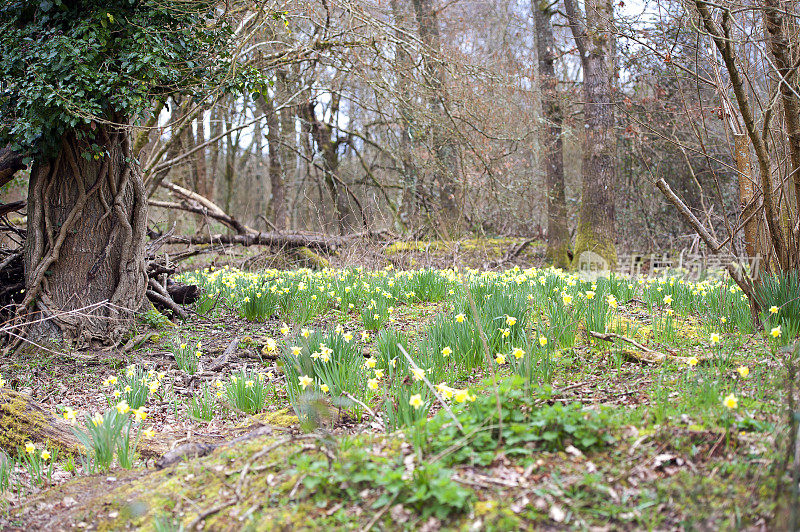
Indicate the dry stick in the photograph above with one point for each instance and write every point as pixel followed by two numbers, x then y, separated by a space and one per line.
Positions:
pixel 657 356
pixel 433 389
pixel 368 409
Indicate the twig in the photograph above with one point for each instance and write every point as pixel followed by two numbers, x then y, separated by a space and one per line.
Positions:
pixel 433 389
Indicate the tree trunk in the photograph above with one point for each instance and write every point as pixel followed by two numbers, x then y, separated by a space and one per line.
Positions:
pixel 445 150
pixel 557 231
pixel 87 216
pixel 403 67
pixel 596 224
pixel 276 208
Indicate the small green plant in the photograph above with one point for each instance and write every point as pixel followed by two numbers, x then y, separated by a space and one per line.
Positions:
pixel 187 356
pixel 39 464
pixel 7 465
pixel 257 302
pixel 136 385
pixel 526 426
pixel 202 406
pixel 102 435
pixel 248 391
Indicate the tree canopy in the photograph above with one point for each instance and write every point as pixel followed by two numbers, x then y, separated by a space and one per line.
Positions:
pixel 70 63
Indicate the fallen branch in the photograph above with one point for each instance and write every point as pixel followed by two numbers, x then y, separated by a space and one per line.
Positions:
pixel 648 355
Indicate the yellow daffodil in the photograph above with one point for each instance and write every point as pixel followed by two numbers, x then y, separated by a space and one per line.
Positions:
pixel 511 321
pixel 324 388
pixel 566 298
pixel 372 384
pixel 140 413
pixel 460 318
pixel 731 402
pixel 97 420
pixel 418 373
pixel 123 407
pixel 589 294
pixel 744 371
pixel 447 351
pixel 304 381
pixel 296 350
pixel 378 373
pixel 30 448
pixel 776 332
pixel 69 415
pixel 45 455
pixel 500 358
pixel 692 361
pixel 518 353
pixel 370 363
pixel 284 329
pixel 714 338
pixel 149 433
pixel 542 341
pixel 773 309
pixel 415 400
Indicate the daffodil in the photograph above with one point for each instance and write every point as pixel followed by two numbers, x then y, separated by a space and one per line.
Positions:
pixel 500 358
pixel 418 373
pixel 324 387
pixel 692 361
pixel 284 329
pixel 518 353
pixel 97 419
pixel 731 402
pixel 30 448
pixel 296 350
pixel 304 381
pixel 149 433
pixel 447 351
pixel 415 400
pixel 543 341
pixel 370 363
pixel 123 408
pixel 714 338
pixel 372 384
pixel 140 413
pixel 460 318
pixel 271 345
pixel 69 415
pixel 773 309
pixel 511 321
pixel 378 373
pixel 589 294
pixel 776 332
pixel 744 371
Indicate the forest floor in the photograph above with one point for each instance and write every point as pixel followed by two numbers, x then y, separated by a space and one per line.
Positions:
pixel 574 433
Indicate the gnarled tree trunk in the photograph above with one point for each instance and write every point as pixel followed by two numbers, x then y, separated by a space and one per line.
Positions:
pixel 87 216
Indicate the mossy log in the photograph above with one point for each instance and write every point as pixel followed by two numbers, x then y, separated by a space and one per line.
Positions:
pixel 307 258
pixel 23 420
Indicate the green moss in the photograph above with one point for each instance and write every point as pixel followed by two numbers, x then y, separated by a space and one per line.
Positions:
pixel 587 239
pixel 306 258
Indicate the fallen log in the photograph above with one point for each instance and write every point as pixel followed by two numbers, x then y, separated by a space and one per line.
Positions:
pixel 24 420
pixel 648 356
pixel 327 244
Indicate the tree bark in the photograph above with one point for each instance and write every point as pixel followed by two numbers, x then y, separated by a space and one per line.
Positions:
pixel 276 208
pixel 403 68
pixel 557 231
pixel 445 151
pixel 87 217
pixel 597 221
